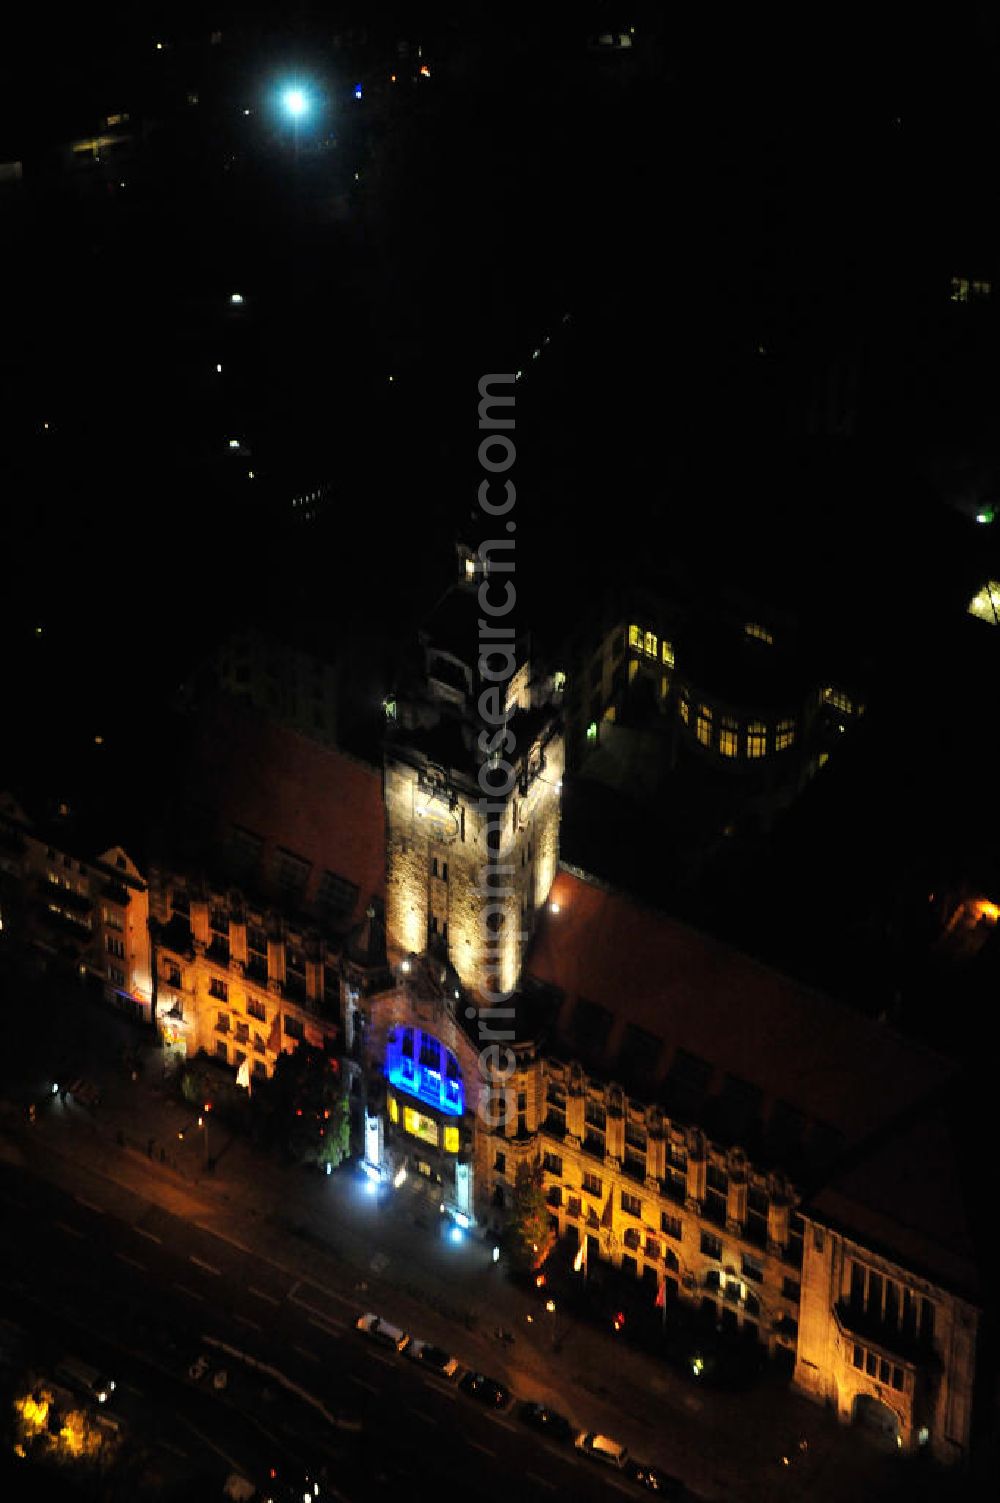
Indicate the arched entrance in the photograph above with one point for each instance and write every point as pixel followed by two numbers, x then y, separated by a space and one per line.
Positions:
pixel 877 1420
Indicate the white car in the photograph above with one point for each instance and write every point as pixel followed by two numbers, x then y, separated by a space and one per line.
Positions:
pixel 380 1330
pixel 434 1358
pixel 601 1448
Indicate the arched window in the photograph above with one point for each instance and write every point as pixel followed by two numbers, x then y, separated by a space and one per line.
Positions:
pixel 419 1064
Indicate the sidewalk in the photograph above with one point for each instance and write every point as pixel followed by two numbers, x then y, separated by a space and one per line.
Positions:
pixel 332 1231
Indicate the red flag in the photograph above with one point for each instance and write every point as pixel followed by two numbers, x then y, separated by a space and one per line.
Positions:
pixel 661 1294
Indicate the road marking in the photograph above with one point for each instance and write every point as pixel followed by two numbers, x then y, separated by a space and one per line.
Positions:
pixel 542 1481
pixel 70 1229
pixel 305 1352
pixel 205 1441
pixel 245 1320
pixel 124 1258
pixel 89 1204
pixel 150 1236
pixel 361 1383
pixel 261 1295
pixel 424 1418
pixel 324 1323
pixel 485 1449
pixel 385 1361
pixel 202 1264
pixel 189 1292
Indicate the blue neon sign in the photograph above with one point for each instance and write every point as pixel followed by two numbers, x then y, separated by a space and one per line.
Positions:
pixel 419 1065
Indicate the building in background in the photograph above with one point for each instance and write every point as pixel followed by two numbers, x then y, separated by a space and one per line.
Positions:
pixel 81 906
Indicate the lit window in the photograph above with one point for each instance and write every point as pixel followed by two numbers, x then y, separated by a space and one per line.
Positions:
pixel 649 645
pixel 393 1109
pixel 664 685
pixel 728 738
pixel 754 629
pixel 824 758
pixel 592 731
pixel 633 669
pixel 840 701
pixel 705 725
pixel 756 739
pixel 420 1126
pixel 684 705
pixel 986 605
pixel 451 1140
pixel 784 734
pixel 635 637
pixel 667 652
pixel 959 290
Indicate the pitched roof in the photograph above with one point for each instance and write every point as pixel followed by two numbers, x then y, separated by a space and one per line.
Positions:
pixel 294 795
pixel 905 1195
pixel 708 1030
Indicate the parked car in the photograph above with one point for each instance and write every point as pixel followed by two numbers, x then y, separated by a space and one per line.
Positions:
pixel 601 1448
pixel 90 1381
pixel 434 1358
pixel 548 1422
pixel 380 1330
pixel 198 1368
pixel 486 1390
pixel 653 1480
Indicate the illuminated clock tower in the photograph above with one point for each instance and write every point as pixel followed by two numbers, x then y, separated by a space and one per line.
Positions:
pixel 448 892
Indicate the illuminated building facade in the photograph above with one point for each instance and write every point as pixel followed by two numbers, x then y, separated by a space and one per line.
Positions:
pixel 87 912
pixel 240 982
pixel 437 896
pixel 677 1144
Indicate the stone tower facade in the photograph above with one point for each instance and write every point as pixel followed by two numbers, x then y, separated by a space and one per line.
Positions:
pixel 469 868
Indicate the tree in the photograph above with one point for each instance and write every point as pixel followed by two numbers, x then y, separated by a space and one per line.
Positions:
pixel 309 1109
pixel 532 1237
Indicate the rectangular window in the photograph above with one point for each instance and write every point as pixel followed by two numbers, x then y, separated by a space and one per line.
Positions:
pixel 897 1378
pixel 784 734
pixel 684 707
pixel 222 1052
pixel 859 1356
pixel 926 1321
pixel 671 1226
pixel 553 1164
pixel 242 1033
pixel 649 644
pixel 728 738
pixel 857 1296
pixel 259 1069
pixel 420 1126
pixel 222 1022
pixel 574 1207
pixel 756 739
pixel 293 1027
pixel 112 919
pixel 593 1185
pixel 667 653
pixel 115 947
pixel 818 1238
pixel 761 633
pixel 883 1370
pixel 704 726
pixel 116 975
pixel 871 1364
pixel 218 989
pixel 752 1269
pixel 791 1288
pixel 631 1204
pixel 711 1246
pixel 500 1163
pixel 257 1009
pixel 451 1140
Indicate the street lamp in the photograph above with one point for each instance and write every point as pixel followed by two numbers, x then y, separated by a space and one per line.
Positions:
pixel 550 1306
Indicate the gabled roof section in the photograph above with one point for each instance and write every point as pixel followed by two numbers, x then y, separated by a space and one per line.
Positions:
pixel 718 1038
pixel 286 810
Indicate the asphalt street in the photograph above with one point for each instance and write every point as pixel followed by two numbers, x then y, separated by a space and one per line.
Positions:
pixel 143 1297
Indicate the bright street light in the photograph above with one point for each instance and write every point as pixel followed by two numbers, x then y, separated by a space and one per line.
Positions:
pixel 295 102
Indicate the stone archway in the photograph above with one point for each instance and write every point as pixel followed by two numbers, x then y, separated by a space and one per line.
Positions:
pixel 877 1420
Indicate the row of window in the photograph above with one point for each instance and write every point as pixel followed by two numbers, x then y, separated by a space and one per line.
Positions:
pixel 878 1368
pixel 649 645
pixel 755 733
pixel 890 1303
